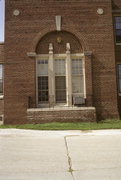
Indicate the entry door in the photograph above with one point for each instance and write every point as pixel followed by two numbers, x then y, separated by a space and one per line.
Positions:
pixel 43 94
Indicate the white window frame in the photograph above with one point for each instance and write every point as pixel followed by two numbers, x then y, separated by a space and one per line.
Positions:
pixel 38 58
pixel 81 56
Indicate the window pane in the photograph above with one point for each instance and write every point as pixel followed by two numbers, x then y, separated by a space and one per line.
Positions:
pixel 77 84
pixel 60 86
pixel 77 66
pixel 1 72
pixel 60 67
pixel 77 76
pixel 61 96
pixel 60 82
pixel 43 89
pixel 118 22
pixel 118 29
pixel 42 67
pixel 118 36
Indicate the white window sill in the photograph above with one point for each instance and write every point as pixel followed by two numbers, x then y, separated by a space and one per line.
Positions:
pixel 1 97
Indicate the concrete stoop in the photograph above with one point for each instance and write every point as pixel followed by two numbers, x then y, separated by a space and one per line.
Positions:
pixel 59 114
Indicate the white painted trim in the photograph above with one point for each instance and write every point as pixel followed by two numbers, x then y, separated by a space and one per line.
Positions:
pixel 41 56
pixel 51 77
pixel 1 97
pixel 59 55
pixel 78 54
pixel 69 93
pixel 60 108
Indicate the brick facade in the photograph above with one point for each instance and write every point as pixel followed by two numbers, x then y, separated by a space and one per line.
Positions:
pixel 36 20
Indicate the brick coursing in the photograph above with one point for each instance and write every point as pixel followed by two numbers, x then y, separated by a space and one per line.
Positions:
pixel 36 19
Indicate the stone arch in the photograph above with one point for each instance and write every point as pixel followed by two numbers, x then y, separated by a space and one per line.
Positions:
pixel 44 32
pixel 59 41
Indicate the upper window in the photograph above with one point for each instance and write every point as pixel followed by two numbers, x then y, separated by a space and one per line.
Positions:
pixel 1 79
pixel 60 67
pixel 118 29
pixel 43 67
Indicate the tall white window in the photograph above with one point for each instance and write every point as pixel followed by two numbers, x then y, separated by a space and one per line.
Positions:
pixel 1 79
pixel 43 81
pixel 118 29
pixel 77 77
pixel 60 81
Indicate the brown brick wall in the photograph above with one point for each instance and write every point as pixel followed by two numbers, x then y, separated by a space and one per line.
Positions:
pixel 1 53
pixel 37 18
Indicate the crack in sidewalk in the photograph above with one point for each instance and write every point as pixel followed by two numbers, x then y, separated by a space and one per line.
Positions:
pixel 69 158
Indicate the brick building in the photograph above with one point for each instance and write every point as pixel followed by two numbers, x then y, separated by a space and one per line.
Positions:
pixel 61 61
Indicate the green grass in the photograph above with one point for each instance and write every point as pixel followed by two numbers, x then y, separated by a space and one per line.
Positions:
pixel 107 124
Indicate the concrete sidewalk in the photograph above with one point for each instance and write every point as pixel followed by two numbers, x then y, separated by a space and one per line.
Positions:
pixel 60 155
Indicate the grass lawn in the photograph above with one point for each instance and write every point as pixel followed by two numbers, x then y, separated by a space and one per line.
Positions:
pixel 107 124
